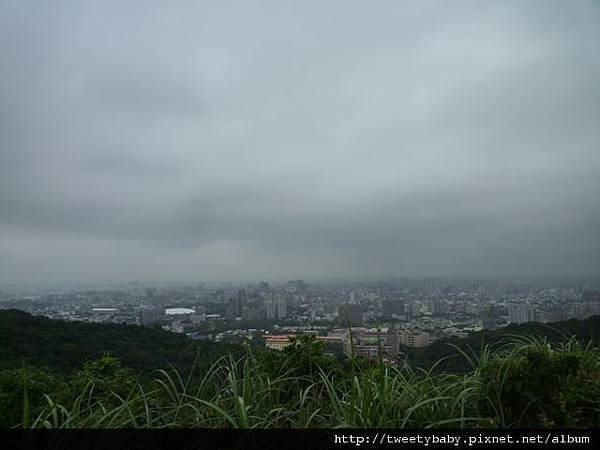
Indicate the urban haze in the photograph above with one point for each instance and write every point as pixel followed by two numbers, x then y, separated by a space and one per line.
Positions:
pixel 377 217
pixel 282 140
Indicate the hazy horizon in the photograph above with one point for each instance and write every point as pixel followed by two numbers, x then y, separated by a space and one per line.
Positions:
pixel 298 139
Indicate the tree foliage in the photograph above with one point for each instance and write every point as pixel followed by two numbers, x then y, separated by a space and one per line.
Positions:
pixel 63 346
pixel 519 381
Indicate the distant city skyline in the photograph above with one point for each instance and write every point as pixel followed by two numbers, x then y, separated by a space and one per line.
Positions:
pixel 301 139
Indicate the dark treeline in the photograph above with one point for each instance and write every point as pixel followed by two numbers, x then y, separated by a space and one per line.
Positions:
pixel 63 347
pixel 82 375
pixel 447 358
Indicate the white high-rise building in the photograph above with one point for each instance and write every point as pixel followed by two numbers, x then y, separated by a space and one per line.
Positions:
pixel 523 313
pixel 270 307
pixel 281 308
pixel 275 308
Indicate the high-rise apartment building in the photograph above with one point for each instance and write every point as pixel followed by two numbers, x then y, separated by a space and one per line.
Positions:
pixel 392 308
pixel 275 308
pixel 351 314
pixel 236 305
pixel 429 286
pixel 523 313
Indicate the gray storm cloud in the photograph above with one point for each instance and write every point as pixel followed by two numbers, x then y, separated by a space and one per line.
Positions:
pixel 201 140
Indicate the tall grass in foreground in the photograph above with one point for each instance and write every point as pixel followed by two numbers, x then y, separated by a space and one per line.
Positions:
pixel 525 383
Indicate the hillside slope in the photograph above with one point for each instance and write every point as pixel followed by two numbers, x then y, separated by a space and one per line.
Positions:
pixel 63 346
pixel 585 331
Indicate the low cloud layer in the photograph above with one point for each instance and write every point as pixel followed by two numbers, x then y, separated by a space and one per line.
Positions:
pixel 204 140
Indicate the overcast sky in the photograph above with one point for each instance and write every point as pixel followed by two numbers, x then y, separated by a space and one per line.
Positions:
pixel 275 139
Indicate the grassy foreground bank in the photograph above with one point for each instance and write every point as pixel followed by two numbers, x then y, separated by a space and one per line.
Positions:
pixel 524 382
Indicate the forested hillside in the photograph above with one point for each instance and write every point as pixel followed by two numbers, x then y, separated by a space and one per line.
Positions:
pixel 56 374
pixel 64 346
pixel 447 358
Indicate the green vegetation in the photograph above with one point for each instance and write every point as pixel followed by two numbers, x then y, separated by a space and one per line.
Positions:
pixel 521 381
pixel 62 346
pixel 528 383
pixel 444 355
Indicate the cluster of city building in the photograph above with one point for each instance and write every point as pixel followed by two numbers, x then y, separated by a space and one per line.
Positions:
pixel 357 317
